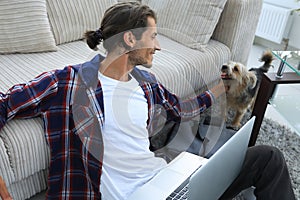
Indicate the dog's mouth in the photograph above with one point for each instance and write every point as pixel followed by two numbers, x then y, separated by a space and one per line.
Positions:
pixel 225 76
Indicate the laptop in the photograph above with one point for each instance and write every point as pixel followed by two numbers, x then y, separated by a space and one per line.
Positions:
pixel 198 177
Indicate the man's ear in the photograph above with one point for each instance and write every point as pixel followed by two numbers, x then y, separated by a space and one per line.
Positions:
pixel 129 39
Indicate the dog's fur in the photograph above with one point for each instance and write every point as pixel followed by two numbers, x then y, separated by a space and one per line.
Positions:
pixel 242 86
pixel 267 59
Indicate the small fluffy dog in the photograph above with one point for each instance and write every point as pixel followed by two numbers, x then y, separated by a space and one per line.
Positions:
pixel 242 86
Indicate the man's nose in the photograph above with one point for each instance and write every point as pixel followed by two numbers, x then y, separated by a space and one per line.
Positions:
pixel 157 45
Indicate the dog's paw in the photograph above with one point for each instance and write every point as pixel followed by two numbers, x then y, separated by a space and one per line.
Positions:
pixel 233 127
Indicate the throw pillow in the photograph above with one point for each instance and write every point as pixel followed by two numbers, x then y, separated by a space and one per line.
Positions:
pixel 24 27
pixel 190 22
pixel 70 19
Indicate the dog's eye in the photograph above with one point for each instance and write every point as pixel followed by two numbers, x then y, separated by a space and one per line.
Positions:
pixel 236 68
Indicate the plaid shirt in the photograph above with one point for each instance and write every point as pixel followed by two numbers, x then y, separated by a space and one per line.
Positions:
pixel 70 101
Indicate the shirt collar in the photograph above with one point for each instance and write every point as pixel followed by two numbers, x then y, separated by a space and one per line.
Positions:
pixel 88 71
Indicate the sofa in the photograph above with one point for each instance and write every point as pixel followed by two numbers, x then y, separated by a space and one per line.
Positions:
pixel 196 38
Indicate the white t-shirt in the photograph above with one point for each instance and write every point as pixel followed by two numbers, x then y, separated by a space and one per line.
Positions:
pixel 127 163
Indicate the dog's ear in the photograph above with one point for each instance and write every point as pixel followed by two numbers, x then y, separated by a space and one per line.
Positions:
pixel 252 80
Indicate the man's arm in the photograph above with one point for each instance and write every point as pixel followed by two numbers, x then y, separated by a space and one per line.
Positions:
pixel 4 194
pixel 23 100
pixel 189 108
pixel 218 89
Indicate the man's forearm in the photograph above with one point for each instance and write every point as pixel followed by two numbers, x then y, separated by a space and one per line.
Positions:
pixel 4 194
pixel 218 89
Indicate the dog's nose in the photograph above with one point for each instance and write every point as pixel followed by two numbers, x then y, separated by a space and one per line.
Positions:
pixel 224 67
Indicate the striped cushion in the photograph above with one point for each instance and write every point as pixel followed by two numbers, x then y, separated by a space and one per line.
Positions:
pixel 171 67
pixel 26 147
pixel 190 68
pixel 24 27
pixel 29 186
pixel 195 24
pixel 70 19
pixel 20 68
pixel 6 171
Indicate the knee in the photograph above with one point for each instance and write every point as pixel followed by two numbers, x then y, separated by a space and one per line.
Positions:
pixel 271 154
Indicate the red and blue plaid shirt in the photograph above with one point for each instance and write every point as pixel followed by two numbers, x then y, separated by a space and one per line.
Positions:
pixel 70 102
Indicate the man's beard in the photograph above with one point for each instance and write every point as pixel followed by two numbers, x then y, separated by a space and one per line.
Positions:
pixel 136 59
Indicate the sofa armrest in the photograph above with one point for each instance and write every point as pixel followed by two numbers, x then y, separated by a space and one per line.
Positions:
pixel 6 171
pixel 237 25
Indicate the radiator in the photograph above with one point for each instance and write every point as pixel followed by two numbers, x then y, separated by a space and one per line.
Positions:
pixel 274 23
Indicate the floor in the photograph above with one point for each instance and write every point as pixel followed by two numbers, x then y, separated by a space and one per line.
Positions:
pixel 285 105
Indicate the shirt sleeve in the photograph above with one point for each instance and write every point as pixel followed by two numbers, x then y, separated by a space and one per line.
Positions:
pixel 188 108
pixel 23 100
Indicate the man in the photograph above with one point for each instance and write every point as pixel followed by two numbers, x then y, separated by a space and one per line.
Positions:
pixel 99 116
pixel 4 194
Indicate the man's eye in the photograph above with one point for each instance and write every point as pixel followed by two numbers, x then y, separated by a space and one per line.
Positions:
pixel 154 36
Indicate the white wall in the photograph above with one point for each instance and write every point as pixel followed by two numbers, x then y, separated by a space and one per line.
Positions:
pixel 294 35
pixel 284 3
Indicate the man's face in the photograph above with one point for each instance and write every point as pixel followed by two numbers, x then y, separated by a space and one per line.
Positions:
pixel 145 47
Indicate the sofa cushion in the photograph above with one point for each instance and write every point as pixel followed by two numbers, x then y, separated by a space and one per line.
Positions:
pixel 71 19
pixel 5 168
pixel 24 27
pixel 29 186
pixel 195 24
pixel 25 146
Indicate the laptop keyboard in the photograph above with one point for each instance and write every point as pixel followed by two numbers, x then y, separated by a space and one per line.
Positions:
pixel 181 192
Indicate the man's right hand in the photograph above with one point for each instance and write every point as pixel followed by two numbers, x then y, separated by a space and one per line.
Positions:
pixel 4 194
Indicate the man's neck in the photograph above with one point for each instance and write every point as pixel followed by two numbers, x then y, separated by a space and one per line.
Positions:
pixel 116 67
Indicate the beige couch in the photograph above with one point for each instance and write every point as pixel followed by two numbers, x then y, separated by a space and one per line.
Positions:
pixel 196 37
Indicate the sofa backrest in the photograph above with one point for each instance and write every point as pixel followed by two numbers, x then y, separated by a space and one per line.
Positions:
pixel 70 19
pixel 24 27
pixel 39 25
pixel 194 25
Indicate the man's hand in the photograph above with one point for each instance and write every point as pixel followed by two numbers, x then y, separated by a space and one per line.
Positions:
pixel 4 194
pixel 218 89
